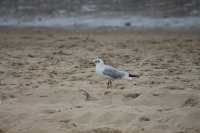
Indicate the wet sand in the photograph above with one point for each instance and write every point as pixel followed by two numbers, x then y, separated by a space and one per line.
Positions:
pixel 48 82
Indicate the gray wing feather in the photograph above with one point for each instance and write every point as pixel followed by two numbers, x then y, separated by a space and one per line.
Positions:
pixel 113 73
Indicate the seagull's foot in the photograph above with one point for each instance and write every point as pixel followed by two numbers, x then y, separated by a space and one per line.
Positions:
pixel 110 83
pixel 107 84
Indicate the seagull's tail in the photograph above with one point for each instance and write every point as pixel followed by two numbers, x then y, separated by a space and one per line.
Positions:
pixel 131 76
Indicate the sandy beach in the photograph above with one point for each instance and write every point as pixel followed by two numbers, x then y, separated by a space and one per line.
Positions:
pixel 48 82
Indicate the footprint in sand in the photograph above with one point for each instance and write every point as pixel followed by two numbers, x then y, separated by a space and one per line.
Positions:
pixel 5 96
pixel 2 131
pixel 84 63
pixel 68 122
pixel 132 95
pixel 107 92
pixel 50 111
pixel 120 86
pixel 191 101
pixel 103 130
pixel 2 72
pixel 76 78
pixel 144 118
pixel 88 97
pixel 156 94
pixel 173 88
pixel 65 121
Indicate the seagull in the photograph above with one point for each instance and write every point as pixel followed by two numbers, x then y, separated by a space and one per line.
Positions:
pixel 111 73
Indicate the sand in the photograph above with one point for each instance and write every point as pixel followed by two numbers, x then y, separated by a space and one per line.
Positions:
pixel 48 82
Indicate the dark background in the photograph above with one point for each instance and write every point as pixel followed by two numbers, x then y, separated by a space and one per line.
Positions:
pixel 150 8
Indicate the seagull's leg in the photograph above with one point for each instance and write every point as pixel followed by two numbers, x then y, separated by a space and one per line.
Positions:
pixel 110 83
pixel 107 84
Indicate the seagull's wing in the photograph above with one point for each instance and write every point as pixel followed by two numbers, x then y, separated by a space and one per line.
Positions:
pixel 123 69
pixel 113 73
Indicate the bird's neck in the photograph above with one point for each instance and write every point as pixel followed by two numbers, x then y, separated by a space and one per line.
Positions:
pixel 100 64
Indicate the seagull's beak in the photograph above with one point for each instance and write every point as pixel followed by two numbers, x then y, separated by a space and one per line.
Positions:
pixel 94 61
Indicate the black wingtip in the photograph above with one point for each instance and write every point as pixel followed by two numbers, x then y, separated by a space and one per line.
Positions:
pixel 134 75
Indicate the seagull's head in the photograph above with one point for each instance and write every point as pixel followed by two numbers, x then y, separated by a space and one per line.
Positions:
pixel 98 61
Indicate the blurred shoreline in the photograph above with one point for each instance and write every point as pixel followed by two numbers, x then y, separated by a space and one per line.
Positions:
pixel 87 22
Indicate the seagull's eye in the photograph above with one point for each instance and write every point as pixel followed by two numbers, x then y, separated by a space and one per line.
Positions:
pixel 97 61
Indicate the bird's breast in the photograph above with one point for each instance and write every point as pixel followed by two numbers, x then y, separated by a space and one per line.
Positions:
pixel 99 70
